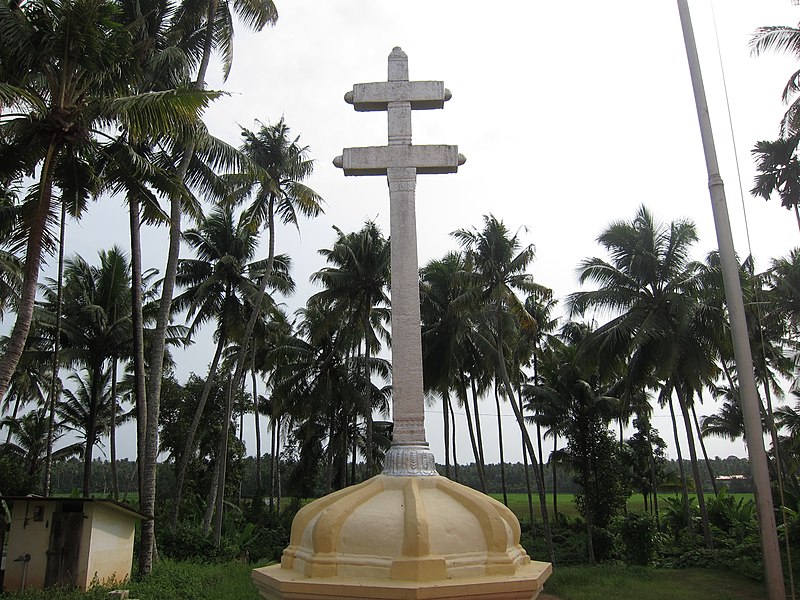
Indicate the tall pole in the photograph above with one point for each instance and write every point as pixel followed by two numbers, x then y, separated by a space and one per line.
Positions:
pixel 773 569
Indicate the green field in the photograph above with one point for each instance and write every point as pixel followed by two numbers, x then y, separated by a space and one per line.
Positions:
pixel 518 503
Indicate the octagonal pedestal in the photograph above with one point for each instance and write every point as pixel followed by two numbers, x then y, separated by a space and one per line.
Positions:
pixel 404 537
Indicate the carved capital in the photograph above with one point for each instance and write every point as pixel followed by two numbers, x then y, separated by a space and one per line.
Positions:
pixel 409 460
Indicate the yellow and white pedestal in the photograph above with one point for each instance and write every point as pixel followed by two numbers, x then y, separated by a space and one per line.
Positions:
pixel 404 537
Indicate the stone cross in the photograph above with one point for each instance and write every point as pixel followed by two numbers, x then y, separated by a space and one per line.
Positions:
pixel 401 161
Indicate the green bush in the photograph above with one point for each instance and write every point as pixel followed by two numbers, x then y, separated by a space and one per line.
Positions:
pixel 569 542
pixel 188 542
pixel 638 532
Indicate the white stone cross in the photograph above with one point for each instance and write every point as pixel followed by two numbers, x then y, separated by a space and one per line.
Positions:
pixel 401 161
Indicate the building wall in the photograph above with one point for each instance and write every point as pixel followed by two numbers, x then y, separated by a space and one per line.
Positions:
pixel 109 554
pixel 28 536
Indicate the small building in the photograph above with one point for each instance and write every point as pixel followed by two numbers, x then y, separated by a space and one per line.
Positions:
pixel 736 484
pixel 69 542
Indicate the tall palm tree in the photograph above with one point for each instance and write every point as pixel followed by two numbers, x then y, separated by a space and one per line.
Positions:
pixel 356 285
pixel 86 410
pixel 447 332
pixel 280 164
pixel 314 384
pixel 659 323
pixel 216 288
pixel 500 268
pixel 575 385
pixel 97 327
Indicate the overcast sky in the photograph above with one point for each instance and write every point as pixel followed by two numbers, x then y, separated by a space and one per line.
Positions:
pixel 570 114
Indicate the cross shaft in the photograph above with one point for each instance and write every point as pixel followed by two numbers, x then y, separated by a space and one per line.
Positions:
pixel 401 161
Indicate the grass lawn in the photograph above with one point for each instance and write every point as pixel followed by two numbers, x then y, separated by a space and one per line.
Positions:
pixel 170 581
pixel 626 583
pixel 231 581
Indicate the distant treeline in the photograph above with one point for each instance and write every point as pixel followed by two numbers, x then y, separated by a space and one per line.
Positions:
pixel 67 476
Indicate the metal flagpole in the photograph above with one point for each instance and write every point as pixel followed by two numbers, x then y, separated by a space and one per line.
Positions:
pixel 773 569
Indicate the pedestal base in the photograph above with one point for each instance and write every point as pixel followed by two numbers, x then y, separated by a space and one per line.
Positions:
pixel 404 537
pixel 275 583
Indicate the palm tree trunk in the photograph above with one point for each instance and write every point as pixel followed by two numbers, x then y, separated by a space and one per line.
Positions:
pixel 500 444
pixel 148 492
pixel 148 488
pixel 536 382
pixel 51 402
pixel 279 490
pixel 446 419
pixel 233 383
pixel 680 456
pixel 653 478
pixel 453 423
pixel 33 260
pixel 705 453
pixel 112 436
pixel 475 453
pixel 539 444
pixel 527 483
pixel 242 410
pixel 210 504
pixel 589 493
pixel 478 433
pixel 554 468
pixel 698 482
pixel 91 428
pixel 190 446
pixel 354 450
pixel 137 324
pixel 501 365
pixel 257 414
pixel 273 460
pixel 589 529
pixel 367 400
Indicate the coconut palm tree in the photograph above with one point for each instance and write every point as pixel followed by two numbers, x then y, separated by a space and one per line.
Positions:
pixel 659 321
pixel 576 386
pixel 96 327
pixel 280 164
pixel 447 340
pixel 216 288
pixel 315 383
pixel 356 285
pixel 86 411
pixel 500 269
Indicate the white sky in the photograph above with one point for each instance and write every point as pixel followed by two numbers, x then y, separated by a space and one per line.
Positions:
pixel 570 114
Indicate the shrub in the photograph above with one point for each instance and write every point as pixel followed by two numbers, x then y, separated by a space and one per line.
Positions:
pixel 189 542
pixel 638 533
